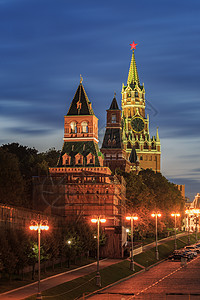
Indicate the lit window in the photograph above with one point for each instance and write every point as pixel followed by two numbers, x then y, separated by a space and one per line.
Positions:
pixel 73 127
pixel 113 119
pixel 84 126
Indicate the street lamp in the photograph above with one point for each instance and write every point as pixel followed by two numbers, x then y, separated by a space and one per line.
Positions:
pixel 39 225
pixel 98 220
pixel 188 223
pixel 156 215
pixel 175 215
pixel 131 218
pixel 196 212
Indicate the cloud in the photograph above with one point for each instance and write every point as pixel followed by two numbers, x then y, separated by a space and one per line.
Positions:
pixel 29 131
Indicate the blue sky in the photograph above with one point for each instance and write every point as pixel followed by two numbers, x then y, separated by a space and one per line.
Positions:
pixel 46 45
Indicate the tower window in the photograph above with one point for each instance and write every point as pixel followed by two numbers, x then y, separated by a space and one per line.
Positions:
pixel 146 146
pixel 136 94
pixel 84 126
pixel 137 146
pixel 113 118
pixel 153 146
pixel 129 146
pixel 73 127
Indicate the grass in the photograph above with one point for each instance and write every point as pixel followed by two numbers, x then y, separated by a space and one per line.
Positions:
pixel 87 284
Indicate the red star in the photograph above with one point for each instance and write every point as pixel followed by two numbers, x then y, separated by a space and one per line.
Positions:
pixel 133 46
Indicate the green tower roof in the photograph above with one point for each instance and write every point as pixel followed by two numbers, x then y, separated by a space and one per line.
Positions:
pixel 133 73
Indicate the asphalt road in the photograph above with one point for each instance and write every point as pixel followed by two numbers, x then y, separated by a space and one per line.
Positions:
pixel 31 289
pixel 167 281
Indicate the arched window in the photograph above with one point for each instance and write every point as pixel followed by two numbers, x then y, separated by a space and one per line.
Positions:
pixel 113 118
pixel 146 146
pixel 137 145
pixel 153 146
pixel 129 146
pixel 136 93
pixel 84 126
pixel 73 127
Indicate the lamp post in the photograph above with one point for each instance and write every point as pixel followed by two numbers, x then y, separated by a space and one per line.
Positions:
pixel 187 212
pixel 39 225
pixel 131 218
pixel 156 215
pixel 98 220
pixel 196 212
pixel 175 215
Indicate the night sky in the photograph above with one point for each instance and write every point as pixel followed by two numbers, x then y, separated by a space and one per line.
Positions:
pixel 46 45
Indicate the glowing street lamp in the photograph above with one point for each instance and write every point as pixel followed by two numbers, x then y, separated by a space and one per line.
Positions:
pixel 39 225
pixel 187 212
pixel 98 221
pixel 156 215
pixel 175 215
pixel 132 218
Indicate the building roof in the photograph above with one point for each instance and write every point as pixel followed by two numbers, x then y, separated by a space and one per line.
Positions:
pixel 133 73
pixel 80 104
pixel 114 105
pixel 112 139
pixel 133 156
pixel 83 148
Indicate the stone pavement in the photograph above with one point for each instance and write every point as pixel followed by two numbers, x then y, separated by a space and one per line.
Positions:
pixel 167 281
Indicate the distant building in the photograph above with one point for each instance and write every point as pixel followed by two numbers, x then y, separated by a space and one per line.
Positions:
pixel 193 214
pixel 181 188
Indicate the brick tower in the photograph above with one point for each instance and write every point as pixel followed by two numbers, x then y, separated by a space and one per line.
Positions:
pixel 112 147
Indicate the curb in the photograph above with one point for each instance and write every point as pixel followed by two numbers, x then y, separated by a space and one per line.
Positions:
pixel 123 279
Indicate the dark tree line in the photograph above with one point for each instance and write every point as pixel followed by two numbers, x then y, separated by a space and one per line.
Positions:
pixel 149 192
pixel 19 247
pixel 18 164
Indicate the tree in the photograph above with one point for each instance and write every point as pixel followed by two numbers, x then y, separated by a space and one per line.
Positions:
pixel 12 184
pixel 150 191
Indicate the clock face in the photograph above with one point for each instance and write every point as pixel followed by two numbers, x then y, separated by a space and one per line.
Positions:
pixel 137 124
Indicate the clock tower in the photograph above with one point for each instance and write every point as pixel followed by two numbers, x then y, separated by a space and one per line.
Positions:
pixel 135 123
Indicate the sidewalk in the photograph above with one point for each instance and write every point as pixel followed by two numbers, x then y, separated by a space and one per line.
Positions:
pixel 31 289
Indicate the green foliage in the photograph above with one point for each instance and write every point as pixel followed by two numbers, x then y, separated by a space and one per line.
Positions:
pixel 11 181
pixel 149 191
pixel 18 164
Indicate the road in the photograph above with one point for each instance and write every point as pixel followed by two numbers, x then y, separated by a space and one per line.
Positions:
pixel 31 289
pixel 168 280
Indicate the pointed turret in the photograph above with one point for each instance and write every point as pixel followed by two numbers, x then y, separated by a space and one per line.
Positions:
pixel 133 73
pixel 157 136
pixel 133 156
pixel 114 104
pixel 80 104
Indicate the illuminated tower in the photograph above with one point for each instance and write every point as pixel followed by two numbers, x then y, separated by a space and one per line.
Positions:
pixel 135 123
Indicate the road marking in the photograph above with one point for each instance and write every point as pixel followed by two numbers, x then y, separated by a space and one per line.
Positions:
pixel 161 279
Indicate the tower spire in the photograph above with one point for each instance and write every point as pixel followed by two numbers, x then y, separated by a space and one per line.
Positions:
pixel 133 73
